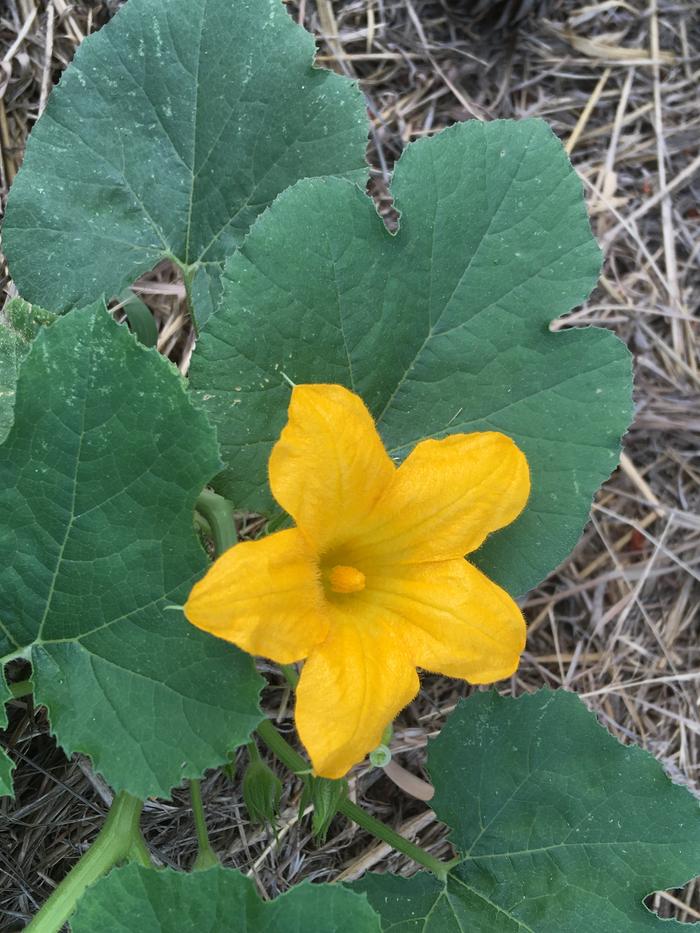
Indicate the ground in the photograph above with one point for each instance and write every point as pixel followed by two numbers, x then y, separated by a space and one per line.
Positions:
pixel 618 622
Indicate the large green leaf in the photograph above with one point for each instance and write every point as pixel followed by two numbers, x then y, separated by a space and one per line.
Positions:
pixel 172 129
pixel 215 901
pixel 560 828
pixel 97 491
pixel 441 328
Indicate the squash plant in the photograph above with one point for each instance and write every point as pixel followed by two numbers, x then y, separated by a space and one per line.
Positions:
pixel 413 369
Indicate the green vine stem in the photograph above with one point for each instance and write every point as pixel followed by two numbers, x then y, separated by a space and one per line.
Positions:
pixel 279 746
pixel 218 514
pixel 119 839
pixel 188 274
pixel 290 674
pixel 206 856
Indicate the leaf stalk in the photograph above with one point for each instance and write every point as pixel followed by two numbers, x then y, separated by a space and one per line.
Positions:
pixel 206 856
pixel 119 839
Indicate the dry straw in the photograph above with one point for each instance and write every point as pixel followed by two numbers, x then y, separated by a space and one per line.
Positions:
pixel 618 622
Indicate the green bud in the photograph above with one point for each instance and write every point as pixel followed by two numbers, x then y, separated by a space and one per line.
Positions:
pixel 325 795
pixel 380 757
pixel 262 790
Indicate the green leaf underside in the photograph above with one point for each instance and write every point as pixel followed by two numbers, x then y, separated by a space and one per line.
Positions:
pixel 561 828
pixel 442 328
pixel 139 900
pixel 97 493
pixel 175 125
pixel 6 763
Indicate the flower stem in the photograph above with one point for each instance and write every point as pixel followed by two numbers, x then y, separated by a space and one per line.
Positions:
pixel 206 856
pixel 219 515
pixel 288 756
pixel 113 844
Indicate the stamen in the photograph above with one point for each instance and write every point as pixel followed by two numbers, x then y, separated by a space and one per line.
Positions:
pixel 346 579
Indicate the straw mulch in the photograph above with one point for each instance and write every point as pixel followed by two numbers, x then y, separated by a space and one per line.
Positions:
pixel 618 622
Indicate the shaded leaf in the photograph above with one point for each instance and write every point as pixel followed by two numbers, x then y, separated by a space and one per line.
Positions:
pixel 442 328
pixel 213 901
pixel 561 829
pixel 173 128
pixel 6 763
pixel 97 493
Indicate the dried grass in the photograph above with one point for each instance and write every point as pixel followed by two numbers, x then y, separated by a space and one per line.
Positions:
pixel 618 622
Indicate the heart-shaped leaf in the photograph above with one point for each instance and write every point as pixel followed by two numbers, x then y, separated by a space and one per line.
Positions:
pixel 175 125
pixel 97 491
pixel 441 328
pixel 561 829
pixel 214 901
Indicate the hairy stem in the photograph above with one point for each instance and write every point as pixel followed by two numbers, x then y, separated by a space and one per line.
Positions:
pixel 113 844
pixel 218 513
pixel 288 756
pixel 206 856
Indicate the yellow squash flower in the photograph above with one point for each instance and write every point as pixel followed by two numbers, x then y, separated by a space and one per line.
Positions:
pixel 372 581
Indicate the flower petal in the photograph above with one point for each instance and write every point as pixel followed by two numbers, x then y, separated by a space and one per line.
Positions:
pixel 445 498
pixel 452 618
pixel 265 597
pixel 351 688
pixel 329 466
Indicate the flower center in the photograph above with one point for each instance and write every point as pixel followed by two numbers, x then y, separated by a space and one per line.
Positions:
pixel 346 579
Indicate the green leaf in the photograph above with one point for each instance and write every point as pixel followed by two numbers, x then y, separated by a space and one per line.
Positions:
pixel 12 349
pixel 213 901
pixel 441 328
pixel 173 128
pixel 141 320
pixel 6 763
pixel 25 319
pixel 97 492
pixel 19 325
pixel 561 829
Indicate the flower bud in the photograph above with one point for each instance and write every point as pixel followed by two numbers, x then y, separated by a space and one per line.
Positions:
pixel 262 790
pixel 325 795
pixel 381 756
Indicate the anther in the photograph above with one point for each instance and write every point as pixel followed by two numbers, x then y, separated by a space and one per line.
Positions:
pixel 346 579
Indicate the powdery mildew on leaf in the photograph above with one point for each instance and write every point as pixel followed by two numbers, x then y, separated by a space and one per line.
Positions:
pixel 97 492
pixel 175 125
